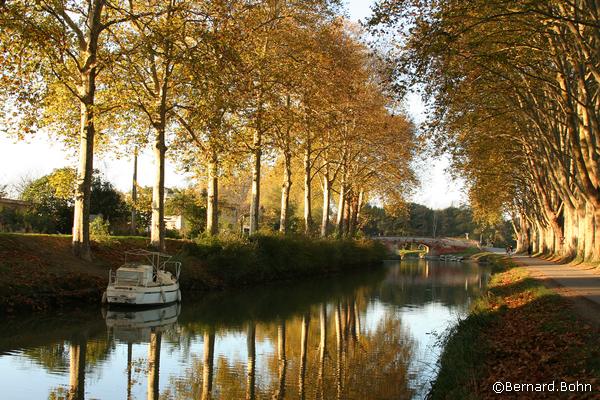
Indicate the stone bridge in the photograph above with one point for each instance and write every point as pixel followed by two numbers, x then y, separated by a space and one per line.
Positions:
pixel 432 246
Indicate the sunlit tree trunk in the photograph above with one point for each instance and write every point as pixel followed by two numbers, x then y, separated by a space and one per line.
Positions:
pixel 581 240
pixel 285 191
pixel 596 244
pixel 255 200
pixel 251 368
pixel 208 362
pixel 307 187
pixel 77 369
pixel 157 228
pixel 134 193
pixel 326 207
pixel 87 131
pixel 341 206
pixel 81 218
pixel 357 211
pixel 570 231
pixel 153 366
pixel 212 207
pixel 589 232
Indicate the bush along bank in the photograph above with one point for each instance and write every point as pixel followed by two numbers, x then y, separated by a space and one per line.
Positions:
pixel 234 262
pixel 518 332
pixel 38 272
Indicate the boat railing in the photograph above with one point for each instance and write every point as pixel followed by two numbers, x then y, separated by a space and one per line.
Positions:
pixel 176 265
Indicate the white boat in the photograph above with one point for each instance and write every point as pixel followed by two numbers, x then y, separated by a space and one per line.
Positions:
pixel 146 282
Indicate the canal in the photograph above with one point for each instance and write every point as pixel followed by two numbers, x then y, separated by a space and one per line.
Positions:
pixel 369 335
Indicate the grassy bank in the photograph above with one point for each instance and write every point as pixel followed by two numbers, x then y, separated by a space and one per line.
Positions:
pixel 38 271
pixel 519 332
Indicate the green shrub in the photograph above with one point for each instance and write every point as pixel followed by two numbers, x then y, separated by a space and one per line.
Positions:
pixel 100 231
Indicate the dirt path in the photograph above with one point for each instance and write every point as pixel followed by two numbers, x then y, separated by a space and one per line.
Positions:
pixel 577 283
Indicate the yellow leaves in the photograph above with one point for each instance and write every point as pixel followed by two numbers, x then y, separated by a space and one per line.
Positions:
pixel 63 181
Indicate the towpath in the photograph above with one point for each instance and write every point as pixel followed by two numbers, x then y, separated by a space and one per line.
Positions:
pixel 579 283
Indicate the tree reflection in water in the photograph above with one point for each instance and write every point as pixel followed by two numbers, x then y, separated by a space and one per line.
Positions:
pixel 369 364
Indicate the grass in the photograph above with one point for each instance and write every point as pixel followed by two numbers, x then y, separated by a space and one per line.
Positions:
pixel 39 271
pixel 519 331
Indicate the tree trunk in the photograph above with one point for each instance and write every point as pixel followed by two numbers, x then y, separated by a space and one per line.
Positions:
pixel 351 216
pixel 326 207
pixel 307 189
pixel 570 231
pixel 589 232
pixel 341 206
pixel 212 206
pixel 354 215
pixel 157 229
pixel 285 192
pixel 134 193
pixel 596 245
pixel 518 235
pixel 346 218
pixel 359 205
pixel 581 231
pixel 535 240
pixel 85 170
pixel 87 131
pixel 255 201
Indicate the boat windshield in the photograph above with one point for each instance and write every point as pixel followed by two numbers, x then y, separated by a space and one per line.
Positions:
pixel 128 277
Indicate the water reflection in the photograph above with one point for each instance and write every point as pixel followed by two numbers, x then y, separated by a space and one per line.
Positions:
pixel 360 336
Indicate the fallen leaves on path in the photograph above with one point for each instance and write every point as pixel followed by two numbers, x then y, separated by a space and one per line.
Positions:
pixel 537 338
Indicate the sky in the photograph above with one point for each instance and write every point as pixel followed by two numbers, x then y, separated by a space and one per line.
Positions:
pixel 40 155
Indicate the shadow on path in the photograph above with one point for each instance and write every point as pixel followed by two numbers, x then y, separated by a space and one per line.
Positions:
pixel 576 283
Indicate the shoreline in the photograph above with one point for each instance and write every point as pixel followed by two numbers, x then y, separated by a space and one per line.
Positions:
pixel 39 273
pixel 520 331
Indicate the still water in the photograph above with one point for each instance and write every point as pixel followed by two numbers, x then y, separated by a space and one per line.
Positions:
pixel 370 335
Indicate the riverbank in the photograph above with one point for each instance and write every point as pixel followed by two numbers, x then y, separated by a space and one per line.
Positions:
pixel 519 332
pixel 38 272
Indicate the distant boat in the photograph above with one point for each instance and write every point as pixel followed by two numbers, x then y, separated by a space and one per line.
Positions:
pixel 152 281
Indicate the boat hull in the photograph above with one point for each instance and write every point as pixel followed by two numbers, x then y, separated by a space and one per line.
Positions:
pixel 136 295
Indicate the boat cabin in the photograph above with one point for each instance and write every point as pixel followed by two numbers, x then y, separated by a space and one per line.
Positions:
pixel 135 275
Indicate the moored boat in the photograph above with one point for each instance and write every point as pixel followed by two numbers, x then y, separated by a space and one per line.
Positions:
pixel 152 279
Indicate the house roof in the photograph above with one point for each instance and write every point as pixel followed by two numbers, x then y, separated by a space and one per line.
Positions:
pixel 13 202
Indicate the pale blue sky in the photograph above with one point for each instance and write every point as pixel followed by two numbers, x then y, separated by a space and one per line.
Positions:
pixel 40 156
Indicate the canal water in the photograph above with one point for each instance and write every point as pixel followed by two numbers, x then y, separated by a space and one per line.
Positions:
pixel 369 335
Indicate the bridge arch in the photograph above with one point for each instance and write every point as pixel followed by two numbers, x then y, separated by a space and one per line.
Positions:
pixel 434 246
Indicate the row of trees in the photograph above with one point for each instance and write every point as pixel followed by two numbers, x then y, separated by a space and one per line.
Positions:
pixel 421 221
pixel 516 86
pixel 224 86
